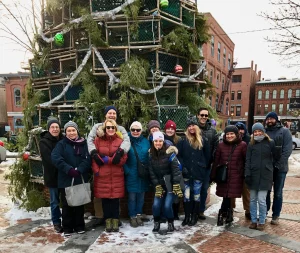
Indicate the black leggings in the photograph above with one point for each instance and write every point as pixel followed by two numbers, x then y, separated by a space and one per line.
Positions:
pixel 226 204
pixel 111 208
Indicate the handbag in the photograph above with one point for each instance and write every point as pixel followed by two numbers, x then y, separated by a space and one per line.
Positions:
pixel 78 195
pixel 142 168
pixel 222 170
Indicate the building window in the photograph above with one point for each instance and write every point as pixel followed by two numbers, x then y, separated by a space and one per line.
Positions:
pixel 227 103
pixel 229 61
pixel 274 93
pixel 232 110
pixel 259 94
pixel 266 110
pixel 273 107
pixel 212 42
pixel 258 109
pixel 17 95
pixel 218 80
pixel 232 95
pixel 297 93
pixel 219 51
pixel 281 94
pixel 267 95
pixel 280 109
pixel 238 111
pixel 287 108
pixel 290 92
pixel 223 83
pixel 237 78
pixel 217 101
pixel 239 95
pixel 211 75
pixel 224 57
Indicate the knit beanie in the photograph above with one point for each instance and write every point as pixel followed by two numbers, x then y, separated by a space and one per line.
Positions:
pixel 158 136
pixel 272 115
pixel 153 123
pixel 71 124
pixel 109 107
pixel 170 124
pixel 231 128
pixel 51 121
pixel 258 126
pixel 191 121
pixel 136 124
pixel 240 125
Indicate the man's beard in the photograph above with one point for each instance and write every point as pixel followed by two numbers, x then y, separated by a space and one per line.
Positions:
pixel 270 124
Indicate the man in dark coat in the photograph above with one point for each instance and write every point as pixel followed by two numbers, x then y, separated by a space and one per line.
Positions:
pixel 48 141
pixel 283 138
pixel 213 140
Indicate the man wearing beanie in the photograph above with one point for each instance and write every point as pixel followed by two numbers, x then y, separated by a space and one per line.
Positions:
pixel 211 135
pixel 282 137
pixel 48 141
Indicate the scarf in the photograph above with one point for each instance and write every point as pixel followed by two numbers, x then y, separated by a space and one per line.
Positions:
pixel 78 145
pixel 259 138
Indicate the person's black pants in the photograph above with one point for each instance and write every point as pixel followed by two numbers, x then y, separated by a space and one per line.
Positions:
pixel 72 216
pixel 111 208
pixel 226 204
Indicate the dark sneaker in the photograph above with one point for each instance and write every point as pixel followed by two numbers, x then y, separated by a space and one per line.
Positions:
pixel 80 231
pixel 156 227
pixel 275 220
pixel 260 227
pixel 253 225
pixel 58 228
pixel 133 222
pixel 139 220
pixel 67 233
pixel 248 216
pixel 201 216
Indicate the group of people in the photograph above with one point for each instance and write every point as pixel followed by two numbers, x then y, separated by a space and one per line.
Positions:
pixel 173 167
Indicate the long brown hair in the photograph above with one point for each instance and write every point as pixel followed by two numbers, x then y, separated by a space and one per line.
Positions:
pixel 195 140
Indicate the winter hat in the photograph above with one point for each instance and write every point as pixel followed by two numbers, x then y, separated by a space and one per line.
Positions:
pixel 137 124
pixel 158 136
pixel 71 124
pixel 240 125
pixel 258 126
pixel 191 121
pixel 51 121
pixel 272 115
pixel 231 128
pixel 153 123
pixel 170 124
pixel 109 107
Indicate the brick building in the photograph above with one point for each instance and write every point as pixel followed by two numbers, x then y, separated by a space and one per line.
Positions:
pixel 274 95
pixel 14 86
pixel 3 114
pixel 242 94
pixel 219 58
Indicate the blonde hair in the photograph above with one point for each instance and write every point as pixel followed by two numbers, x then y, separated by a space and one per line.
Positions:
pixel 252 141
pixel 112 122
pixel 195 140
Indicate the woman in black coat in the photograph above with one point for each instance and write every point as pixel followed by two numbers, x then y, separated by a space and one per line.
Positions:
pixel 261 154
pixel 194 156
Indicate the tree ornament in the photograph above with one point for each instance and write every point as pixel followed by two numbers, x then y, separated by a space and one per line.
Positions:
pixel 26 155
pixel 178 69
pixel 164 4
pixel 59 39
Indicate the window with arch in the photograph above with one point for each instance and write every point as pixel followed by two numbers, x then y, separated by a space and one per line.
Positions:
pixel 273 107
pixel 224 57
pixel 223 83
pixel 219 52
pixel 266 109
pixel 297 93
pixel 227 104
pixel 281 94
pixel 239 95
pixel 259 94
pixel 229 61
pixel 280 109
pixel 290 93
pixel 274 95
pixel 218 80
pixel 211 75
pixel 217 101
pixel 212 42
pixel 267 94
pixel 17 96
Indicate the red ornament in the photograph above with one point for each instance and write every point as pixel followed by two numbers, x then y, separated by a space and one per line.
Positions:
pixel 178 69
pixel 26 155
pixel 2 143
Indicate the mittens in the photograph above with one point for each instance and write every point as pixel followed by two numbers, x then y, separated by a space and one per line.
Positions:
pixel 73 173
pixel 105 159
pixel 96 157
pixel 117 156
pixel 158 191
pixel 177 190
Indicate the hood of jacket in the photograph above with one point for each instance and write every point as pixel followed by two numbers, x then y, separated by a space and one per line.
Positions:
pixel 47 135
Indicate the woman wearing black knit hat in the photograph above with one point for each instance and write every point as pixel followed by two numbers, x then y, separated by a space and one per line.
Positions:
pixel 232 151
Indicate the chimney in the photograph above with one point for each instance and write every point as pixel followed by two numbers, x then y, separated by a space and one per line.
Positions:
pixel 251 65
pixel 259 75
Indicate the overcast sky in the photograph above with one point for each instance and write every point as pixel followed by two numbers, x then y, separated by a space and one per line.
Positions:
pixel 236 18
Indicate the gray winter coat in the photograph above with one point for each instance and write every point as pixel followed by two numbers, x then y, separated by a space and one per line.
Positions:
pixel 93 133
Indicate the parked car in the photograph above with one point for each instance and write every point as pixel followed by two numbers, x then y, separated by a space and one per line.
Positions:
pixel 296 142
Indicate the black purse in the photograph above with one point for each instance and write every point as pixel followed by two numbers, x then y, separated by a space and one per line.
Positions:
pixel 143 171
pixel 222 170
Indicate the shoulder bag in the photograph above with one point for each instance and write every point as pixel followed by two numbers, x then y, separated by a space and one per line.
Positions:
pixel 222 170
pixel 142 168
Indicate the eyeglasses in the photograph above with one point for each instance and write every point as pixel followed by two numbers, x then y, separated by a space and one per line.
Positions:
pixel 204 115
pixel 135 130
pixel 110 127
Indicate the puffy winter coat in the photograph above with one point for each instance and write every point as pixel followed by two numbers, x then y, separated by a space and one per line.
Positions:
pixel 47 144
pixel 69 154
pixel 234 185
pixel 133 182
pixel 160 164
pixel 110 182
pixel 194 161
pixel 259 164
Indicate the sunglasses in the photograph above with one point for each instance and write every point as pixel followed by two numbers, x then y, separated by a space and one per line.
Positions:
pixel 110 127
pixel 135 130
pixel 204 115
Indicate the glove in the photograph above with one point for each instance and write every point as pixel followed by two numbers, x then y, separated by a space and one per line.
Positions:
pixel 158 191
pixel 97 174
pixel 96 157
pixel 248 180
pixel 177 190
pixel 105 159
pixel 278 141
pixel 73 173
pixel 117 156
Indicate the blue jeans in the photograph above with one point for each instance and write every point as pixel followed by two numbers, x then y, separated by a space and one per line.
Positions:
pixel 135 203
pixel 203 192
pixel 195 191
pixel 260 197
pixel 278 180
pixel 54 205
pixel 166 202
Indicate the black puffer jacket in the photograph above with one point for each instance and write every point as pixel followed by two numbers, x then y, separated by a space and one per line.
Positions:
pixel 160 165
pixel 47 144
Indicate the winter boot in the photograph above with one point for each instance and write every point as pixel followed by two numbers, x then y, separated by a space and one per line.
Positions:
pixel 108 225
pixel 193 220
pixel 187 212
pixel 115 225
pixel 139 220
pixel 220 218
pixel 170 226
pixel 133 222
pixel 156 225
pixel 229 217
pixel 175 207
